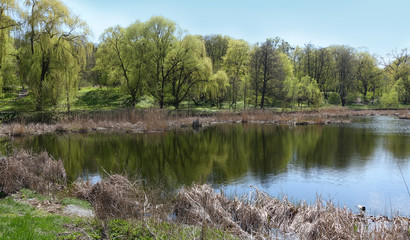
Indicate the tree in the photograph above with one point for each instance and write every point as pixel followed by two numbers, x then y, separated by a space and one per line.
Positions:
pixel 190 67
pixel 367 73
pixel 123 52
pixel 69 62
pixel 49 28
pixel 216 47
pixel 344 70
pixel 235 64
pixel 160 39
pixel 217 88
pixel 399 72
pixel 7 7
pixel 303 89
pixel 7 66
pixel 316 63
pixel 267 70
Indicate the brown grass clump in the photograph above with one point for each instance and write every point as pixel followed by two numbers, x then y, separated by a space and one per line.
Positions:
pixel 39 172
pixel 115 197
pixel 262 216
pixel 155 119
pixel 199 205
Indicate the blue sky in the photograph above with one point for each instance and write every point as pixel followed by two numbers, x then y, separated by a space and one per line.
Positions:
pixel 373 25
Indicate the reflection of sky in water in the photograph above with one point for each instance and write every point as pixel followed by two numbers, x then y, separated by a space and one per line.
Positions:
pixel 382 124
pixel 377 184
pixel 93 178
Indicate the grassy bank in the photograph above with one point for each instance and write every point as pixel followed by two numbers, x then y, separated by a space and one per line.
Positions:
pixel 28 215
pixel 125 209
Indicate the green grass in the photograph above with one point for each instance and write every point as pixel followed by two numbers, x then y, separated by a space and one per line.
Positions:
pixel 75 201
pixel 17 105
pixel 28 194
pixel 122 229
pixel 22 221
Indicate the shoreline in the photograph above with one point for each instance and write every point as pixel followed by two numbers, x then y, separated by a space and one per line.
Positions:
pixel 155 120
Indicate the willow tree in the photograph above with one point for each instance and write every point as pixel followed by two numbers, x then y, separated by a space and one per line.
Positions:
pixel 50 28
pixel 7 23
pixel 235 64
pixel 160 39
pixel 121 54
pixel 216 88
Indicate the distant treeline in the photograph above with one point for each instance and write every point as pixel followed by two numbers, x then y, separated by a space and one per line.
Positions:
pixel 44 47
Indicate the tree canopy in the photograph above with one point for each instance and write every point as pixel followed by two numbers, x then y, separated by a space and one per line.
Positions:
pixel 44 48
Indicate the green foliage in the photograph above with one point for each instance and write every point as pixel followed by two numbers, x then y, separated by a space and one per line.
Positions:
pixel 352 98
pixel 333 98
pixel 268 69
pixel 190 67
pixel 160 39
pixel 344 59
pixel 368 73
pixel 303 89
pixel 121 59
pixel 49 53
pixel 235 65
pixel 217 87
pixel 390 99
pixel 216 47
pixel 50 58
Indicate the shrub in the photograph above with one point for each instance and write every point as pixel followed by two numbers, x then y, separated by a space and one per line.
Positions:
pixel 352 98
pixel 334 99
pixel 390 99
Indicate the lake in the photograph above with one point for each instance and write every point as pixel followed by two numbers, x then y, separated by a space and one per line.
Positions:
pixel 366 162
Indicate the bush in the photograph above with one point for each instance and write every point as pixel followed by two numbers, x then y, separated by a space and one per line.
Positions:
pixel 334 99
pixel 390 99
pixel 352 98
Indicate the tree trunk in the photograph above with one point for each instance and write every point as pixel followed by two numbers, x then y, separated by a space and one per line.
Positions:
pixel 44 69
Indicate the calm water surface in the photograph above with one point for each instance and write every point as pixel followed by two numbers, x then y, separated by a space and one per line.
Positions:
pixel 351 164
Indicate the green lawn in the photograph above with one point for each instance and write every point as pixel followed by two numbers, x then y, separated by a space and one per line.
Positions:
pixel 22 221
pixel 94 98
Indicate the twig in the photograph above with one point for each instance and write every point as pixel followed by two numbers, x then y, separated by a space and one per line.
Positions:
pixel 404 180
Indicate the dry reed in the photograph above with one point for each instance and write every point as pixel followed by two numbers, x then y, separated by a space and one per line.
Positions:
pixel 39 172
pixel 116 197
pixel 260 216
pixel 152 120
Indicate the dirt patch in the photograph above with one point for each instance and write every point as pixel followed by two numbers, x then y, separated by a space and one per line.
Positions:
pixel 74 210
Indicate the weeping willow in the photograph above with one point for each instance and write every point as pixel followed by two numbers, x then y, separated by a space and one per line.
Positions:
pixel 53 52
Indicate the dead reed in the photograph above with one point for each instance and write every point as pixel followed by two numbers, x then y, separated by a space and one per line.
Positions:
pixel 39 172
pixel 260 216
pixel 117 197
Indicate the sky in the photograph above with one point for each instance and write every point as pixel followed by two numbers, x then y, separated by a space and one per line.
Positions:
pixel 369 25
